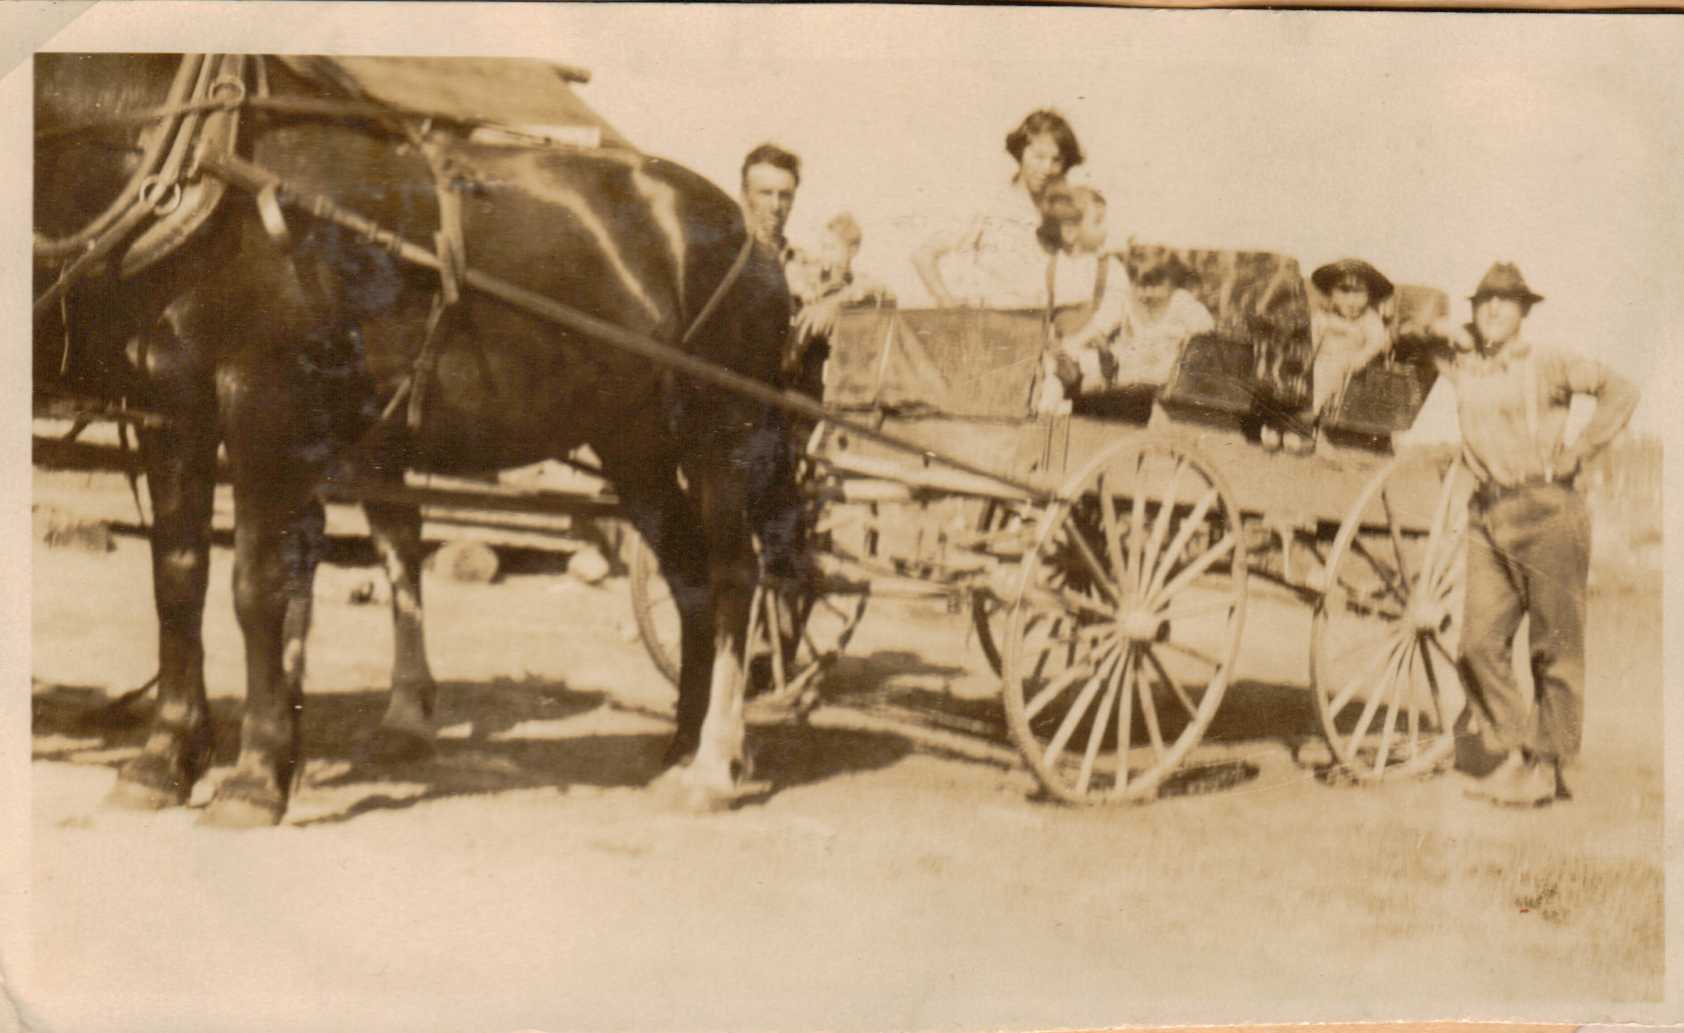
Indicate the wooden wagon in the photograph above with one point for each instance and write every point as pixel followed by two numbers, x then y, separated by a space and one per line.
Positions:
pixel 1106 555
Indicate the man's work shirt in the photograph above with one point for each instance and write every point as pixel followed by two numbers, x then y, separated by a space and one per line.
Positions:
pixel 1508 441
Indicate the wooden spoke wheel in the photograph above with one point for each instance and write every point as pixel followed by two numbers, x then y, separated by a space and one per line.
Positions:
pixel 1005 532
pixel 654 610
pixel 1126 623
pixel 813 625
pixel 1385 633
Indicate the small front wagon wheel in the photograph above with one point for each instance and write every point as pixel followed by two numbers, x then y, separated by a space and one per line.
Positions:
pixel 1385 634
pixel 1126 623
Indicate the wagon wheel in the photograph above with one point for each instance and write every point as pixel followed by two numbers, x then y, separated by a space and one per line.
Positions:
pixel 814 625
pixel 1005 531
pixel 1126 623
pixel 654 610
pixel 1385 634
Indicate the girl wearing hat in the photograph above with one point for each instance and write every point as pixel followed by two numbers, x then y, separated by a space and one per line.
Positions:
pixel 1528 532
pixel 1346 334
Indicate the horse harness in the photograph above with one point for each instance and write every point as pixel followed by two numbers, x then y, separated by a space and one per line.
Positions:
pixel 188 161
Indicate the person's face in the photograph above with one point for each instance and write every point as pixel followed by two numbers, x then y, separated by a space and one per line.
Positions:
pixel 1349 299
pixel 1091 233
pixel 768 197
pixel 836 253
pixel 1041 161
pixel 1069 234
pixel 1498 320
pixel 1154 291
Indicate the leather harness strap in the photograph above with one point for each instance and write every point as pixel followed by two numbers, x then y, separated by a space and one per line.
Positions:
pixel 730 279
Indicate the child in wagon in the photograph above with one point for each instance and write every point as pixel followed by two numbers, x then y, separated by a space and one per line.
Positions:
pixel 1162 316
pixel 1107 331
pixel 1346 333
pixel 1086 292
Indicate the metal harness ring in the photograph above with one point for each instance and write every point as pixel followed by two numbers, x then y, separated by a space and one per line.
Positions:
pixel 235 87
pixel 161 197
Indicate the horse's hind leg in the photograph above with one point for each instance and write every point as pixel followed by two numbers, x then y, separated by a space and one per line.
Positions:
pixel 406 731
pixel 180 478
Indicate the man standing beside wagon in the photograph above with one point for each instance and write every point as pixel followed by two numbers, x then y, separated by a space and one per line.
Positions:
pixel 1529 533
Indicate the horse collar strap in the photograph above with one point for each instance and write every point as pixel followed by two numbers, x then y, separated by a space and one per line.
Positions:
pixel 188 198
pixel 166 185
pixel 725 284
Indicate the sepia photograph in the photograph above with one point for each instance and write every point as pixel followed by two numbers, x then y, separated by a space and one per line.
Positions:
pixel 837 517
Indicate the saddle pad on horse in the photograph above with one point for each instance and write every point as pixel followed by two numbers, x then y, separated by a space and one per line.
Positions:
pixel 1260 349
pixel 528 96
pixel 968 362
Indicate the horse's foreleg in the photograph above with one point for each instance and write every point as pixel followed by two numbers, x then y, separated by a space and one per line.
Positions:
pixel 712 778
pixel 406 731
pixel 278 541
pixel 180 478
pixel 669 523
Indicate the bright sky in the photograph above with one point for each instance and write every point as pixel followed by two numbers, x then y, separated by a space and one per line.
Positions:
pixel 1430 144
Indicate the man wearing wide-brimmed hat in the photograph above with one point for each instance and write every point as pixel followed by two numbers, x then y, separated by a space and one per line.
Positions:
pixel 1529 533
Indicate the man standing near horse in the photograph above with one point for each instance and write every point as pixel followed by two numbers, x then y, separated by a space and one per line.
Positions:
pixel 1529 533
pixel 771 176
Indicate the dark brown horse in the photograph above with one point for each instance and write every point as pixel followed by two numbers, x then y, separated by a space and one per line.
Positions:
pixel 288 348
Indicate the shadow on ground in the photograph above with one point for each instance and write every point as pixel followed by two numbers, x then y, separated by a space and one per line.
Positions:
pixel 515 734
pixel 496 736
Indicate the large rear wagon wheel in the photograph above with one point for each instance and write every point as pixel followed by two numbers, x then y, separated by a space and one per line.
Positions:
pixel 1384 638
pixel 1126 624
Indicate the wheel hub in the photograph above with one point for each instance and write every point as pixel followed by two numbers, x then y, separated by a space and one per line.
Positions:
pixel 1139 624
pixel 1428 616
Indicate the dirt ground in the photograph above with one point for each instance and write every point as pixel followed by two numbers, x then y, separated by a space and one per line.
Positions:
pixel 900 874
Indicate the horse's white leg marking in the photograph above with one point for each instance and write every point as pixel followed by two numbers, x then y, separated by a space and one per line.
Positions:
pixel 720 752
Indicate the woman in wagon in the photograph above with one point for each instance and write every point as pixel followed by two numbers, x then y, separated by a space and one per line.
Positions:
pixel 994 257
pixel 1528 532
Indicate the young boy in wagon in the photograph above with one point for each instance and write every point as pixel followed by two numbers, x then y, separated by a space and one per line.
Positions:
pixel 1108 329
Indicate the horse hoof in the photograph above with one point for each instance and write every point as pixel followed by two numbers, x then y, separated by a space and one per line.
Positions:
pixel 399 746
pixel 151 783
pixel 240 805
pixel 707 800
pixel 682 790
pixel 129 795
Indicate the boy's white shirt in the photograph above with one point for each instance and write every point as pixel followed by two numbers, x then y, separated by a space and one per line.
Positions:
pixel 1073 281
